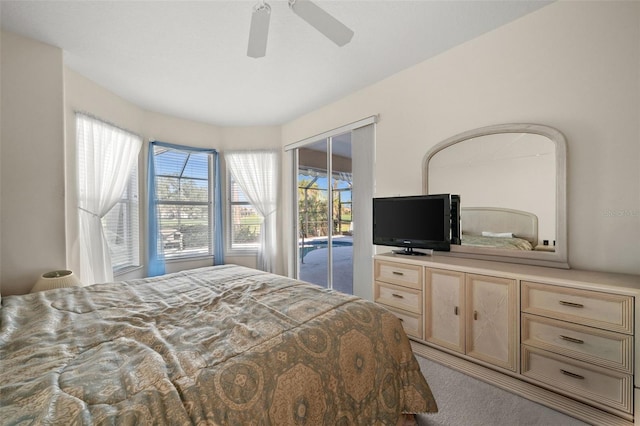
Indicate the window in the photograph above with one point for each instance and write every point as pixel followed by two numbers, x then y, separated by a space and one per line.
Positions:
pixel 244 218
pixel 184 199
pixel 107 162
pixel 253 177
pixel 121 227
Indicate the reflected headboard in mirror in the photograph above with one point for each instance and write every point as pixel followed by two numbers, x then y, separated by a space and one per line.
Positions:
pixel 511 179
pixel 497 227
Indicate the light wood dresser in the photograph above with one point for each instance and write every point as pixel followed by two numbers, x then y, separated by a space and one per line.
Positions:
pixel 563 338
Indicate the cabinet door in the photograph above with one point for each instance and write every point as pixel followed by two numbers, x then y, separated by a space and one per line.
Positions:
pixel 444 316
pixel 491 320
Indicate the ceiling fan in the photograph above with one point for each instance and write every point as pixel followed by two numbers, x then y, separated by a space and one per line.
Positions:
pixel 329 26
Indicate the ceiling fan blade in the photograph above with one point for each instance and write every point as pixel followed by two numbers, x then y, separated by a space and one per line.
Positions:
pixel 333 29
pixel 259 31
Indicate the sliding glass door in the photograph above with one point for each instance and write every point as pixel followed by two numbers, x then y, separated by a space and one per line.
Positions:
pixel 323 200
pixel 342 214
pixel 331 197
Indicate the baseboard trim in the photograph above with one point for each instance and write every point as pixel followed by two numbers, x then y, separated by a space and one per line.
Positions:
pixel 527 390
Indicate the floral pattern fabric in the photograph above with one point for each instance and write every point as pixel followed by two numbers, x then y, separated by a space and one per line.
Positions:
pixel 223 345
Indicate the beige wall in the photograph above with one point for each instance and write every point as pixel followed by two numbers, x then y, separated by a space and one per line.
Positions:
pixel 37 88
pixel 32 162
pixel 574 66
pixel 571 65
pixel 84 95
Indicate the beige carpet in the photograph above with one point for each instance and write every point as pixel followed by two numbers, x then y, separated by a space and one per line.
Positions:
pixel 466 401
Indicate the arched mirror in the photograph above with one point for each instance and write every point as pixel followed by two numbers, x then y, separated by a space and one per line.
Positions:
pixel 511 179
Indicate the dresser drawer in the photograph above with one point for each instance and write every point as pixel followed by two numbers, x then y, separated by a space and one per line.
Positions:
pixel 398 273
pixel 398 297
pixel 598 386
pixel 604 348
pixel 412 323
pixel 596 309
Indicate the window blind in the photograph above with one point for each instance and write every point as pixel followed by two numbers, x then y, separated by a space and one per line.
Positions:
pixel 183 197
pixel 244 218
pixel 121 227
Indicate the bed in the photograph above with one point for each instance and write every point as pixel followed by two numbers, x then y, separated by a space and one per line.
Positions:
pixel 498 228
pixel 216 345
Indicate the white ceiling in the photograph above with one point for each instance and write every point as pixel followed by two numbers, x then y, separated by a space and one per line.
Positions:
pixel 188 58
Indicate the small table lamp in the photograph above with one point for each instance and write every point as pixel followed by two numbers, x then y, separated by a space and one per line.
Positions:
pixel 56 279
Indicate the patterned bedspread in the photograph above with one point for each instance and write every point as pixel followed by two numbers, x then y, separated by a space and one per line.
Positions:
pixel 218 345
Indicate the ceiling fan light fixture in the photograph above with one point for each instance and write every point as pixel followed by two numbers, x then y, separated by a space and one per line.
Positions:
pixel 329 26
pixel 259 30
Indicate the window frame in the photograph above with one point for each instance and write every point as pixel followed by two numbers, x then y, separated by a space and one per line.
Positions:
pixel 210 204
pixel 245 249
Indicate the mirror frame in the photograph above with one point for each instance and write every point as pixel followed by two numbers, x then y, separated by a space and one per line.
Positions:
pixel 556 259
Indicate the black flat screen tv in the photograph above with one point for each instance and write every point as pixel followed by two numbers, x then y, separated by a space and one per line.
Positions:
pixel 413 222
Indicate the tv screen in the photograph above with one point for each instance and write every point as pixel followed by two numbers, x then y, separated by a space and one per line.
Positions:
pixel 422 221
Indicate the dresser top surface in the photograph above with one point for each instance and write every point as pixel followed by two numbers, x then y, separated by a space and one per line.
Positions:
pixel 594 279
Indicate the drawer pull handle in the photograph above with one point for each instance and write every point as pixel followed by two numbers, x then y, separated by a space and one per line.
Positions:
pixel 399 296
pixel 455 310
pixel 573 375
pixel 571 304
pixel 397 273
pixel 571 339
pixel 475 315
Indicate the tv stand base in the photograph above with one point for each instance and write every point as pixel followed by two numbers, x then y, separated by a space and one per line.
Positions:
pixel 410 252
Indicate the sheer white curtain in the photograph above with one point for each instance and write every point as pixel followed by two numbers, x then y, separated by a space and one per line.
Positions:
pixel 106 155
pixel 256 172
